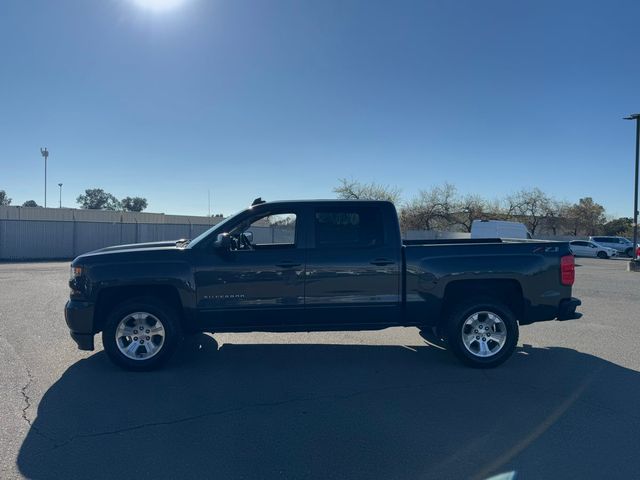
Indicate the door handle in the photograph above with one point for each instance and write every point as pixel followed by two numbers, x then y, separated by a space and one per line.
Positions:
pixel 288 264
pixel 382 261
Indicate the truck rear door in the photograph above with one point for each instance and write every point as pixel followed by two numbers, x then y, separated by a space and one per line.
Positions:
pixel 353 265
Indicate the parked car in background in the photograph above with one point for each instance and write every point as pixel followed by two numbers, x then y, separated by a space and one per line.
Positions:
pixel 584 248
pixel 620 244
pixel 498 229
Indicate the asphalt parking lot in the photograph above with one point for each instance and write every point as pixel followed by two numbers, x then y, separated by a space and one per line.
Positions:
pixel 322 405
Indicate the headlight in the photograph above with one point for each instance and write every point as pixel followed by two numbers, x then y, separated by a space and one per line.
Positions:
pixel 77 281
pixel 76 272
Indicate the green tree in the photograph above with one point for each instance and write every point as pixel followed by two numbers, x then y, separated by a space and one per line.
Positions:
pixel 4 200
pixel 618 227
pixel 133 204
pixel 586 216
pixel 98 199
pixel 30 203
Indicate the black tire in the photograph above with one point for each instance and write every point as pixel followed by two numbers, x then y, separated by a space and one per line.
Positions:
pixel 465 311
pixel 153 310
pixel 603 255
pixel 629 252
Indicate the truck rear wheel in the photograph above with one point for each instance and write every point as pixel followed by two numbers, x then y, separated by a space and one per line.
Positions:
pixel 482 332
pixel 141 334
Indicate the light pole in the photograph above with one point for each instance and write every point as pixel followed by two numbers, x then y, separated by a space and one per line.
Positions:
pixel 60 204
pixel 45 154
pixel 636 117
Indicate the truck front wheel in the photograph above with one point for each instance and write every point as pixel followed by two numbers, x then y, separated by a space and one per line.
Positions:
pixel 482 332
pixel 141 334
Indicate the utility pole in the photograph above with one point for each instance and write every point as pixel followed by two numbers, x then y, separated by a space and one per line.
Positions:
pixel 45 154
pixel 636 117
pixel 60 204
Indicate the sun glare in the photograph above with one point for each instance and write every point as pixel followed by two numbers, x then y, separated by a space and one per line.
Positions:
pixel 159 5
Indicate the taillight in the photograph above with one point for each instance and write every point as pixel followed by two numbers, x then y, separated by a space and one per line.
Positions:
pixel 567 270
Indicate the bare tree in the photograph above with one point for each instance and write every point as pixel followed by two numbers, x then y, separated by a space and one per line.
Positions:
pixel 469 208
pixel 431 209
pixel 441 208
pixel 556 216
pixel 529 207
pixel 355 190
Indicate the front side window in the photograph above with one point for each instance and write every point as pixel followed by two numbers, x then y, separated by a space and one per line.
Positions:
pixel 266 231
pixel 348 227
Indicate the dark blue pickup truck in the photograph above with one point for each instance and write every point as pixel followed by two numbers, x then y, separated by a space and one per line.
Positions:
pixel 317 265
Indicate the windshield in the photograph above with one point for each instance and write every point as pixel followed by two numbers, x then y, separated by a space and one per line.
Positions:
pixel 217 227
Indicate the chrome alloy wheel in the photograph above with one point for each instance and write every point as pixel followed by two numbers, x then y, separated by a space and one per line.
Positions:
pixel 484 334
pixel 140 335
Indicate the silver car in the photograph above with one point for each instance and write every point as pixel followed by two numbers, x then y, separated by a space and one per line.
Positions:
pixel 620 244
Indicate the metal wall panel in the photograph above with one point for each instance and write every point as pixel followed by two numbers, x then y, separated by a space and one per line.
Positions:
pixel 94 235
pixel 21 239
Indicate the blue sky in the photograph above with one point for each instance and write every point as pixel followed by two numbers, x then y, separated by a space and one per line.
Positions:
pixel 281 98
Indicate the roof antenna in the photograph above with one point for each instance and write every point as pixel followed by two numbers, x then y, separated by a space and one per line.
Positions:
pixel 257 201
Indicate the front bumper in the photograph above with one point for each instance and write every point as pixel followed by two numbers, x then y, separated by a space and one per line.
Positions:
pixel 79 318
pixel 567 309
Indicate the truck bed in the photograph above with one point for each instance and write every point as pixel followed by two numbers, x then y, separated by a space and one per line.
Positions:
pixel 529 269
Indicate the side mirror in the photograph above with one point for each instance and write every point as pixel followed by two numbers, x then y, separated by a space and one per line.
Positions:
pixel 223 241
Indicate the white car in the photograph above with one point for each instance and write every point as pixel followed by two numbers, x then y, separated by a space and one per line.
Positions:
pixel 585 248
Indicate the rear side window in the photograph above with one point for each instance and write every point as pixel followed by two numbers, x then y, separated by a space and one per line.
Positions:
pixel 600 239
pixel 349 227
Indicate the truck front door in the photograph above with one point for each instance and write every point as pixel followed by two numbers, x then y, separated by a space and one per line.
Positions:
pixel 259 280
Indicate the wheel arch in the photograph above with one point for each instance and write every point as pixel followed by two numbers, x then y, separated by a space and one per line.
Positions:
pixel 110 297
pixel 506 291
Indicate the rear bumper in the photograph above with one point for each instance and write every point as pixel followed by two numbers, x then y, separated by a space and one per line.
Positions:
pixel 79 318
pixel 567 309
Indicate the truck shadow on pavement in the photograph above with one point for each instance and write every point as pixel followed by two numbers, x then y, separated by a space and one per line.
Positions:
pixel 336 411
